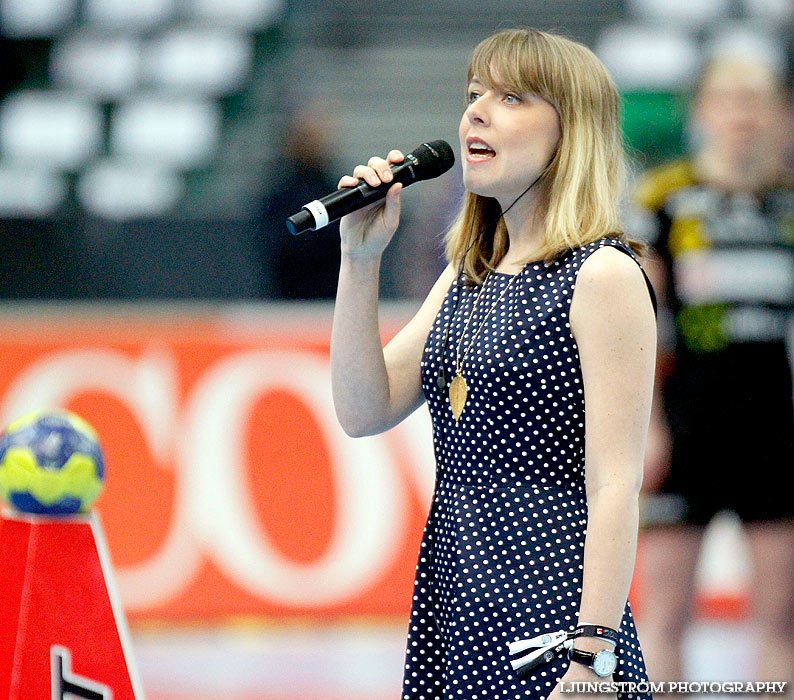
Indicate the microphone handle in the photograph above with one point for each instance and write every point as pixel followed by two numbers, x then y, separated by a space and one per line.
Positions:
pixel 320 213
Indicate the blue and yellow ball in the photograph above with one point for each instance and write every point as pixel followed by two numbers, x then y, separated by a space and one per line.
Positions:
pixel 50 463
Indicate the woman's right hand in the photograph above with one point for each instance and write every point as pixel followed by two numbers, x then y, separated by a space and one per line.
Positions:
pixel 366 233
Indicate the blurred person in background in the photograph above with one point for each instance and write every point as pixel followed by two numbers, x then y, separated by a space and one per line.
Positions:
pixel 517 547
pixel 724 233
pixel 307 266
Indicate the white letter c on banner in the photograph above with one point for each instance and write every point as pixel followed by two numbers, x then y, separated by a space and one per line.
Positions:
pixel 146 385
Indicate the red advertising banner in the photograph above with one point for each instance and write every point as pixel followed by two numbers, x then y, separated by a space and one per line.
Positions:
pixel 231 490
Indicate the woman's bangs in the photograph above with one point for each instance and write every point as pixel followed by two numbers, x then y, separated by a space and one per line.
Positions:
pixel 507 65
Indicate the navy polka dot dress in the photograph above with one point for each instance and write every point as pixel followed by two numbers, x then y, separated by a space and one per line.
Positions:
pixel 501 555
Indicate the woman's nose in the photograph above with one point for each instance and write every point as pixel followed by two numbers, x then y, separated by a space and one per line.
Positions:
pixel 477 111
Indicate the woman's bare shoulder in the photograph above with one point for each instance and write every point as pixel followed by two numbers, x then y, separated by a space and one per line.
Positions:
pixel 610 283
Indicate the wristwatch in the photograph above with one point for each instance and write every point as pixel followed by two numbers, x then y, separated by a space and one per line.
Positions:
pixel 603 662
pixel 528 654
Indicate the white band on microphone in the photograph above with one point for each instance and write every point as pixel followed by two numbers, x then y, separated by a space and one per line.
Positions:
pixel 319 212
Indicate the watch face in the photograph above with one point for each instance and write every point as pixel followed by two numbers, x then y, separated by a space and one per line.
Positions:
pixel 605 662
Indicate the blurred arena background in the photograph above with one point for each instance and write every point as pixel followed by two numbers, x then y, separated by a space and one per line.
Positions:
pixel 149 151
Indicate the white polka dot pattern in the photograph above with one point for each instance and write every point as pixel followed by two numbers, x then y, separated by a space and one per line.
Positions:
pixel 501 555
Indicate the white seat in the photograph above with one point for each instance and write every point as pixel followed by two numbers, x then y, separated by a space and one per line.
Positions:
pixel 59 129
pixel 129 14
pixel 119 189
pixel 649 57
pixel 29 192
pixel 207 60
pixel 183 133
pixel 743 40
pixel 772 10
pixel 683 12
pixel 35 18
pixel 101 65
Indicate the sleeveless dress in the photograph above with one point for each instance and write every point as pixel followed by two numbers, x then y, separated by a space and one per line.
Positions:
pixel 501 555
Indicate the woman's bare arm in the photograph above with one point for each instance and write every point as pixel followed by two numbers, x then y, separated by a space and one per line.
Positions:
pixel 613 323
pixel 374 388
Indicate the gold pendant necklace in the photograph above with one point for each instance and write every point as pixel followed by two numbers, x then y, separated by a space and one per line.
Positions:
pixel 458 389
pixel 458 392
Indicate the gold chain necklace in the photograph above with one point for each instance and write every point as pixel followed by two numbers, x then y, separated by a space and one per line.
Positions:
pixel 458 389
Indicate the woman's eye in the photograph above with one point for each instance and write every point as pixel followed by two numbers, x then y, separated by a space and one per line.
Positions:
pixel 472 96
pixel 512 99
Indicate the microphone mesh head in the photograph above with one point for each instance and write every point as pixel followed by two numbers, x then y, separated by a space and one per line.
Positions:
pixel 435 158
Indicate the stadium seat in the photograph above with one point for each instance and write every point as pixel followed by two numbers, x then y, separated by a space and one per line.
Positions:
pixel 198 59
pixel 182 132
pixel 60 130
pixel 117 189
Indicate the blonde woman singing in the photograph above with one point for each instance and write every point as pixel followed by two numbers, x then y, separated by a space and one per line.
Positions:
pixel 528 552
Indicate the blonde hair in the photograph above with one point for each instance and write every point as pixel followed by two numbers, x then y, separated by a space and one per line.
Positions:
pixel 584 178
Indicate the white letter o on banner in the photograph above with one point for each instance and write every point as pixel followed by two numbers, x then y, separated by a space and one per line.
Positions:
pixel 370 496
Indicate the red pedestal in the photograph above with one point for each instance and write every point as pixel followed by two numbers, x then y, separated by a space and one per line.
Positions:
pixel 62 629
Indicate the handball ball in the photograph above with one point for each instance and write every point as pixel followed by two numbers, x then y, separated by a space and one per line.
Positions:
pixel 50 463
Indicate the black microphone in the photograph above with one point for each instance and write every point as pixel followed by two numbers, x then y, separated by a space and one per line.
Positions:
pixel 428 161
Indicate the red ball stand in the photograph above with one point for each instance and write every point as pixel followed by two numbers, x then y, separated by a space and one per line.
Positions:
pixel 62 629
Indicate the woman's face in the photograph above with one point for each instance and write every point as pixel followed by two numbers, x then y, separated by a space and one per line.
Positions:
pixel 506 140
pixel 738 109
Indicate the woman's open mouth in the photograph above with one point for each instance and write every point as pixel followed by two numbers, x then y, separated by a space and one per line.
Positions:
pixel 478 150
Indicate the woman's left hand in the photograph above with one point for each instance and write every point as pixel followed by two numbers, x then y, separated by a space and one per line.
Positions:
pixel 578 673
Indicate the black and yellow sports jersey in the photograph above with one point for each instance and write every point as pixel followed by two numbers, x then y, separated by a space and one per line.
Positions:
pixel 729 260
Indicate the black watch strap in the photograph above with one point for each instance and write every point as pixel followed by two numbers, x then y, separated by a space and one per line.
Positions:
pixel 581 657
pixel 598 631
pixel 588 658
